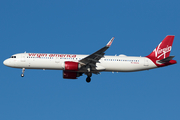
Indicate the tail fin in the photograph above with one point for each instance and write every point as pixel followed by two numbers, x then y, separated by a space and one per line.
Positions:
pixel 163 50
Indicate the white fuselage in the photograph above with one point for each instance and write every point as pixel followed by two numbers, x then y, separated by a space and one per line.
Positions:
pixel 120 63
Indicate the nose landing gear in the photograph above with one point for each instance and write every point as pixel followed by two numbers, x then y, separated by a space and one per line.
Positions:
pixel 23 69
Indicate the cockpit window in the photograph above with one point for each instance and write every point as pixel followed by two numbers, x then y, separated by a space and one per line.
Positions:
pixel 13 56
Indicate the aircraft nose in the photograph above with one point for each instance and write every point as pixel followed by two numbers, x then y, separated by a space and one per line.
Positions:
pixel 6 62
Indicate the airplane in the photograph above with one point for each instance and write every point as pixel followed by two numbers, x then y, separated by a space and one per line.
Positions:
pixel 74 65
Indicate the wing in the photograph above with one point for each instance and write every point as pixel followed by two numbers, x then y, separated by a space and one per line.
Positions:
pixel 94 58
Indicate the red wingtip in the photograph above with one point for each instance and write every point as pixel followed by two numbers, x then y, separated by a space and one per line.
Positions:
pixel 110 42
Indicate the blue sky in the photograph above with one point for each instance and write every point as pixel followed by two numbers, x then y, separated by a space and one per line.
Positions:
pixel 82 27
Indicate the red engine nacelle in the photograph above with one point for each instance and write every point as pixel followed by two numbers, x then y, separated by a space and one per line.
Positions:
pixel 72 66
pixel 71 75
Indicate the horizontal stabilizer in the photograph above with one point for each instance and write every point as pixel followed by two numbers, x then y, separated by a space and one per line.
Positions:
pixel 166 59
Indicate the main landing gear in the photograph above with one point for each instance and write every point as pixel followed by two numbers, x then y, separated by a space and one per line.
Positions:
pixel 23 69
pixel 88 79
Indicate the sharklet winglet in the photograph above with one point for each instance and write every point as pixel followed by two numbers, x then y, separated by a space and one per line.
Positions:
pixel 110 42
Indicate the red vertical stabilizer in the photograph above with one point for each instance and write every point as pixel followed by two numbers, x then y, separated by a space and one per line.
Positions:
pixel 162 51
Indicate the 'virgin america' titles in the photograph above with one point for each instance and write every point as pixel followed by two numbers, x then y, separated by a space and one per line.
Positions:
pixel 159 52
pixel 51 55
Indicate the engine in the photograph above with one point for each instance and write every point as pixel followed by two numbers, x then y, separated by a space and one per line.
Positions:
pixel 71 75
pixel 71 66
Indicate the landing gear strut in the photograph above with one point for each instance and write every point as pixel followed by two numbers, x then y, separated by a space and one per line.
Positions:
pixel 23 69
pixel 88 79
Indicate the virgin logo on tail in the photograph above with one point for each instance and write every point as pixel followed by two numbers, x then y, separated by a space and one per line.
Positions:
pixel 161 51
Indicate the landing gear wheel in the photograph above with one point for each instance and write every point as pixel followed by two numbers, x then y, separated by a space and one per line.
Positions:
pixel 88 79
pixel 23 69
pixel 22 75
